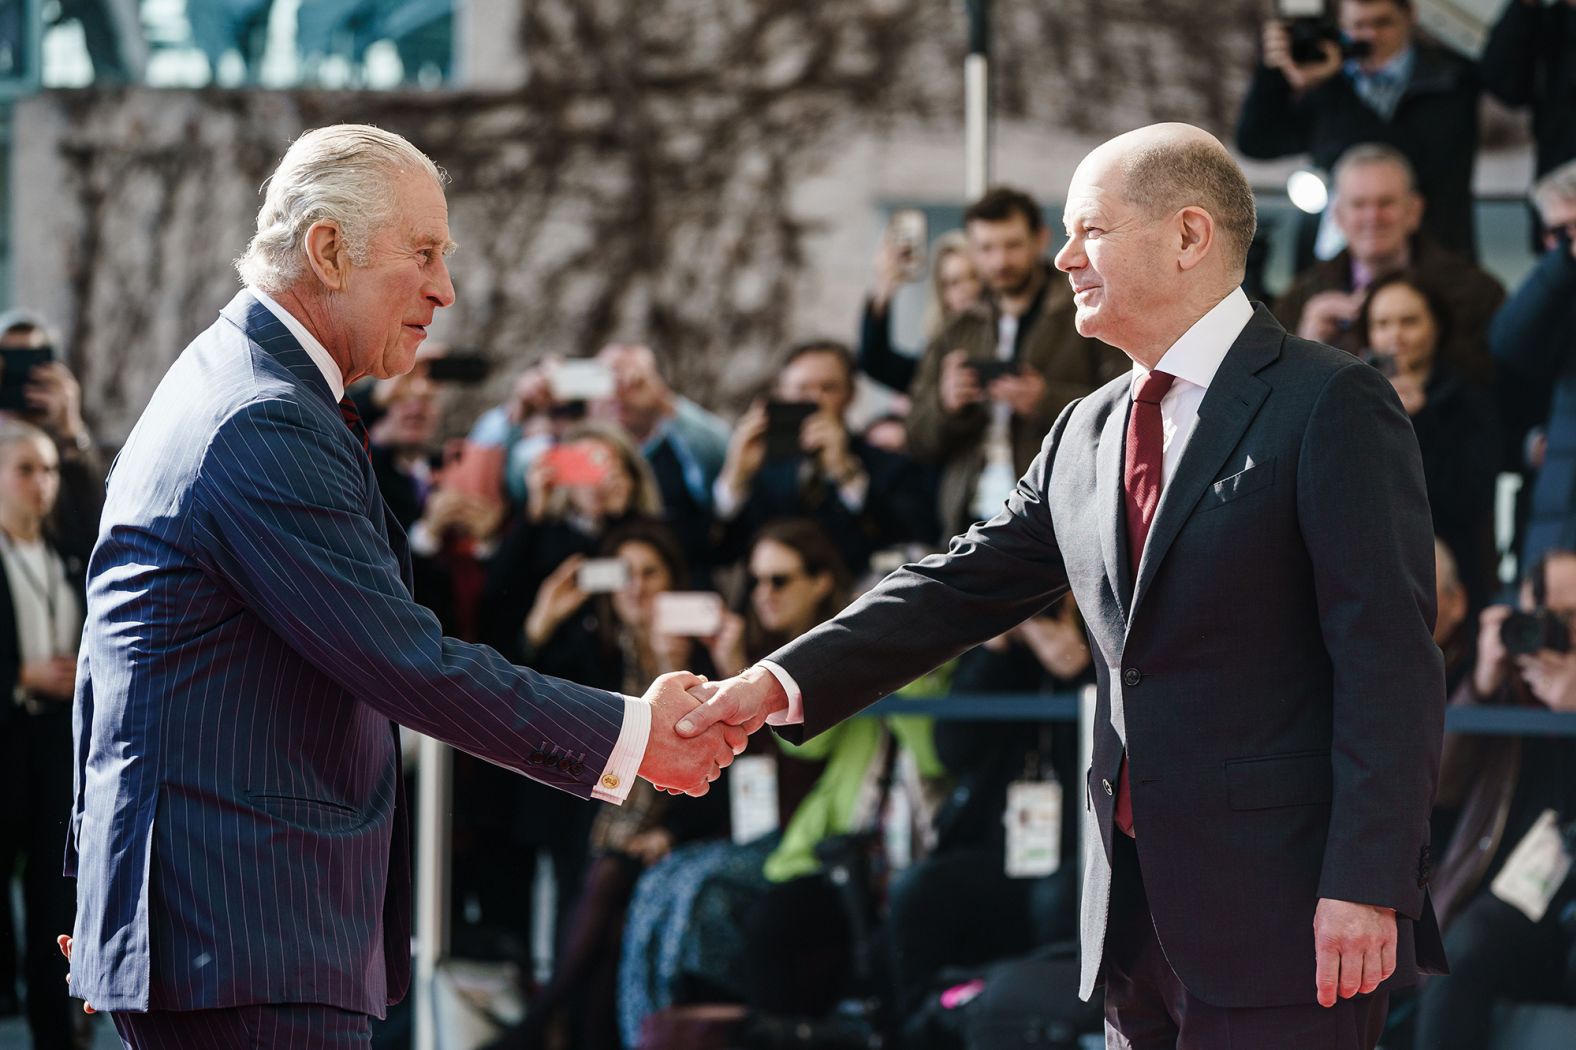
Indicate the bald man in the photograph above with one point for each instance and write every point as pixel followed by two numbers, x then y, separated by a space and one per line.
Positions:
pixel 1242 520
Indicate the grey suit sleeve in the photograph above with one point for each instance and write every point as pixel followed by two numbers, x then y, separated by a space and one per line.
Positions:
pixel 280 516
pixel 1363 510
pixel 993 577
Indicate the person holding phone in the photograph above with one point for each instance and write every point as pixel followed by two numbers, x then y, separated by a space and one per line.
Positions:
pixel 794 456
pixel 41 602
pixel 955 287
pixel 992 382
pixel 611 637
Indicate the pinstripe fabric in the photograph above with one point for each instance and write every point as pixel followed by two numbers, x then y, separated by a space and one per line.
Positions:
pixel 246 1028
pixel 239 833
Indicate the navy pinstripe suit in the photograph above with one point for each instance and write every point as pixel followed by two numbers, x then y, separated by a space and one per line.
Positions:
pixel 239 833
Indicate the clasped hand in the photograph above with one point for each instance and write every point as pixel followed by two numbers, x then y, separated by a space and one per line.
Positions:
pixel 698 726
pixel 685 764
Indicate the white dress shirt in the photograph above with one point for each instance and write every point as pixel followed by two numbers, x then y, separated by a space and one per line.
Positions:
pixel 619 775
pixel 1193 359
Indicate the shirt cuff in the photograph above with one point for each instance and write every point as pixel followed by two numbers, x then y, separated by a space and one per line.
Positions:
pixel 795 713
pixel 619 777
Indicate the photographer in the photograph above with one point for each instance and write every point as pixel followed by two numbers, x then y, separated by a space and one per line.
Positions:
pixel 1498 789
pixel 954 288
pixel 1534 333
pixel 1374 83
pixel 53 402
pixel 863 498
pixel 995 379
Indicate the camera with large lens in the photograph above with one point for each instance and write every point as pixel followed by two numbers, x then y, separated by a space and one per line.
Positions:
pixel 1309 35
pixel 1524 633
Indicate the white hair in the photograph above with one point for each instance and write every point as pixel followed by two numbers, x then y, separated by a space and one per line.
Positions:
pixel 343 173
pixel 1559 184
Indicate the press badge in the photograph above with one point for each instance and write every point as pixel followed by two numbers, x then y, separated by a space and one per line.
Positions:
pixel 1535 869
pixel 1034 828
pixel 752 797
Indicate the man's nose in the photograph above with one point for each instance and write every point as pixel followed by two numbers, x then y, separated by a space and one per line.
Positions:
pixel 441 290
pixel 1067 259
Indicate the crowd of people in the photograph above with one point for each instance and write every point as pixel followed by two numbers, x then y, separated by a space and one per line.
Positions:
pixel 602 527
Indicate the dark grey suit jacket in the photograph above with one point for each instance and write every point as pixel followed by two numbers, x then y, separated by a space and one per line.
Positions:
pixel 1271 670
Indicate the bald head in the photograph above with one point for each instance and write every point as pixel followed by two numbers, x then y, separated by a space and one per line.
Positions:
pixel 1167 167
pixel 1159 221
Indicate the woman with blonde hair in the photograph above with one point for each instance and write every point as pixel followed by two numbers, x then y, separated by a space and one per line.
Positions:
pixel 954 287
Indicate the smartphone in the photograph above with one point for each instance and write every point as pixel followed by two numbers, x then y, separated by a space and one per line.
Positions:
pixel 458 368
pixel 908 232
pixel 579 464
pixel 687 614
pixel 16 369
pixel 477 472
pixel 990 371
pixel 581 380
pixel 602 576
pixel 784 421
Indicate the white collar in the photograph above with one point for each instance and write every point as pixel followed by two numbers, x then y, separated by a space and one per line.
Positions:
pixel 1196 357
pixel 308 341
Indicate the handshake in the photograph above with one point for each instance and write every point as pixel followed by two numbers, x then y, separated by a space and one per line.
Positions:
pixel 697 727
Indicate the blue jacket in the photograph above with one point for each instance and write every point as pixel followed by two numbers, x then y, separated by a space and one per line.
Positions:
pixel 1535 333
pixel 239 832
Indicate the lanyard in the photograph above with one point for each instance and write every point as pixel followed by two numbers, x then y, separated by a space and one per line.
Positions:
pixel 43 589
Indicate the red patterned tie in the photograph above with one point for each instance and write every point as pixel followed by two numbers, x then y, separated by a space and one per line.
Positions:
pixel 1142 475
pixel 352 418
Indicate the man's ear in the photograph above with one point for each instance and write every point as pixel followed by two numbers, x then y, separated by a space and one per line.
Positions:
pixel 1197 229
pixel 328 255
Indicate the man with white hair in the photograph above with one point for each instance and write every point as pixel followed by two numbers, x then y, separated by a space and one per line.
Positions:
pixel 239 834
pixel 1379 211
pixel 1242 519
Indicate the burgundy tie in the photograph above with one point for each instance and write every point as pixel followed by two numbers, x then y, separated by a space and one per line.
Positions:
pixel 1142 475
pixel 352 418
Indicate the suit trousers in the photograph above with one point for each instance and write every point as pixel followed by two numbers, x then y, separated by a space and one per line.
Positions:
pixel 282 1026
pixel 1148 1008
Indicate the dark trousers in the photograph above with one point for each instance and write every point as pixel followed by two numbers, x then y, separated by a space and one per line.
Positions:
pixel 1495 952
pixel 35 783
pixel 1147 1008
pixel 287 1026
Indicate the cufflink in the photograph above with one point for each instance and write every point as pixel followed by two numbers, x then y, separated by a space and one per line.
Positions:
pixel 610 781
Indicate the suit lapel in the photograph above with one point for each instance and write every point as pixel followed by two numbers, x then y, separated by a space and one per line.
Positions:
pixel 1108 490
pixel 1233 399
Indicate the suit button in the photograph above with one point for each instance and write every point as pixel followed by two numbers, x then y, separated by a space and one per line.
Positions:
pixel 1131 676
pixel 610 781
pixel 1106 784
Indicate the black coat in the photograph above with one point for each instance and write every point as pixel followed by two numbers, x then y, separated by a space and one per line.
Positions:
pixel 10 643
pixel 1435 125
pixel 899 506
pixel 1535 332
pixel 1458 435
pixel 1269 668
pixel 1530 60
